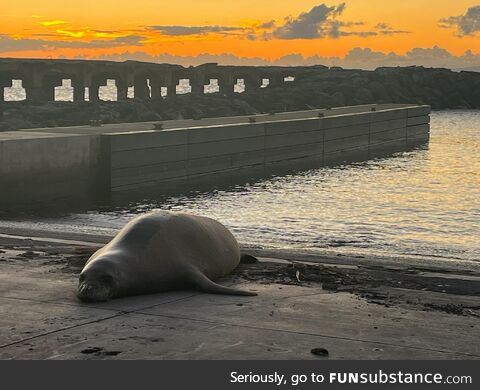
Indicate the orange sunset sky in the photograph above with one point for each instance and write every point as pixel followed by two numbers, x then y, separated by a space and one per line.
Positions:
pixel 267 30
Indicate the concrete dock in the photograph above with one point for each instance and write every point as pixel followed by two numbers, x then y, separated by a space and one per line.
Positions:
pixel 40 318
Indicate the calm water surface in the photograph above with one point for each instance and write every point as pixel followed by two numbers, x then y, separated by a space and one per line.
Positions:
pixel 422 203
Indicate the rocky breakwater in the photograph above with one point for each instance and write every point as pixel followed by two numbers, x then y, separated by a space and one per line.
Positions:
pixel 315 87
pixel 437 87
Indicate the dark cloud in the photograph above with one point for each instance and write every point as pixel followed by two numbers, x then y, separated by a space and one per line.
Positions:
pixel 335 30
pixel 309 25
pixel 9 44
pixel 193 30
pixel 386 29
pixel 267 25
pixel 467 24
pixel 130 40
pixel 349 24
pixel 323 21
pixel 382 26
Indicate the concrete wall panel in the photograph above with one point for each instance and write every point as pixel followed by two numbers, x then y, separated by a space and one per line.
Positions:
pixel 341 157
pixel 276 141
pixel 346 132
pixel 384 136
pixel 337 145
pixel 387 125
pixel 418 120
pixel 49 168
pixel 248 159
pixel 150 173
pixel 225 147
pixel 209 164
pixel 151 156
pixel 387 115
pixel 218 133
pixel 387 148
pixel 294 152
pixel 46 154
pixel 345 120
pixel 418 131
pixel 147 139
pixel 419 111
pixel 292 126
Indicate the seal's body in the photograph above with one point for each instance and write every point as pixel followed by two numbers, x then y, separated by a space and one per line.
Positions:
pixel 158 252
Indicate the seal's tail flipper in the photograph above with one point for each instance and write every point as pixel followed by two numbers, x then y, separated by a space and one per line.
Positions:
pixel 205 284
pixel 248 259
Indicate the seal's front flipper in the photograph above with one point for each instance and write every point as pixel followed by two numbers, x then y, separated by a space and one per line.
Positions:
pixel 248 259
pixel 203 283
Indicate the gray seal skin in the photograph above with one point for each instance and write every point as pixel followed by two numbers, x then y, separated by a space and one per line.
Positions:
pixel 162 251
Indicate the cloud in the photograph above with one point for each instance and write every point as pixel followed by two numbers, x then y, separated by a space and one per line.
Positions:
pixel 468 24
pixel 386 29
pixel 430 57
pixel 130 40
pixel 319 22
pixel 429 53
pixel 334 30
pixel 357 58
pixel 309 25
pixel 193 30
pixel 133 40
pixel 267 25
pixel 9 44
pixel 323 21
pixel 60 34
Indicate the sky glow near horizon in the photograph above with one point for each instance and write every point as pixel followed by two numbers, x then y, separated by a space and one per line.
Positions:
pixel 432 31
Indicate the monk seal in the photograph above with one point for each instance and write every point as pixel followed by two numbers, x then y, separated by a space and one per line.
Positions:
pixel 162 251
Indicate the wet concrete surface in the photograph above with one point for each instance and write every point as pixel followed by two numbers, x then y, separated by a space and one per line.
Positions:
pixel 353 311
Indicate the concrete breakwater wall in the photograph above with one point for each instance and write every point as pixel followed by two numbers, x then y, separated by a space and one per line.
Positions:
pixel 146 158
pixel 90 162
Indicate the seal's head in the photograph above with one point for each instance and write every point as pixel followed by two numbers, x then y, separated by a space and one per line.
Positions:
pixel 97 282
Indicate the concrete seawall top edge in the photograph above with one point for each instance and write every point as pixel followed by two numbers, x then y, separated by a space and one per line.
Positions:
pixel 266 119
pixel 182 124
